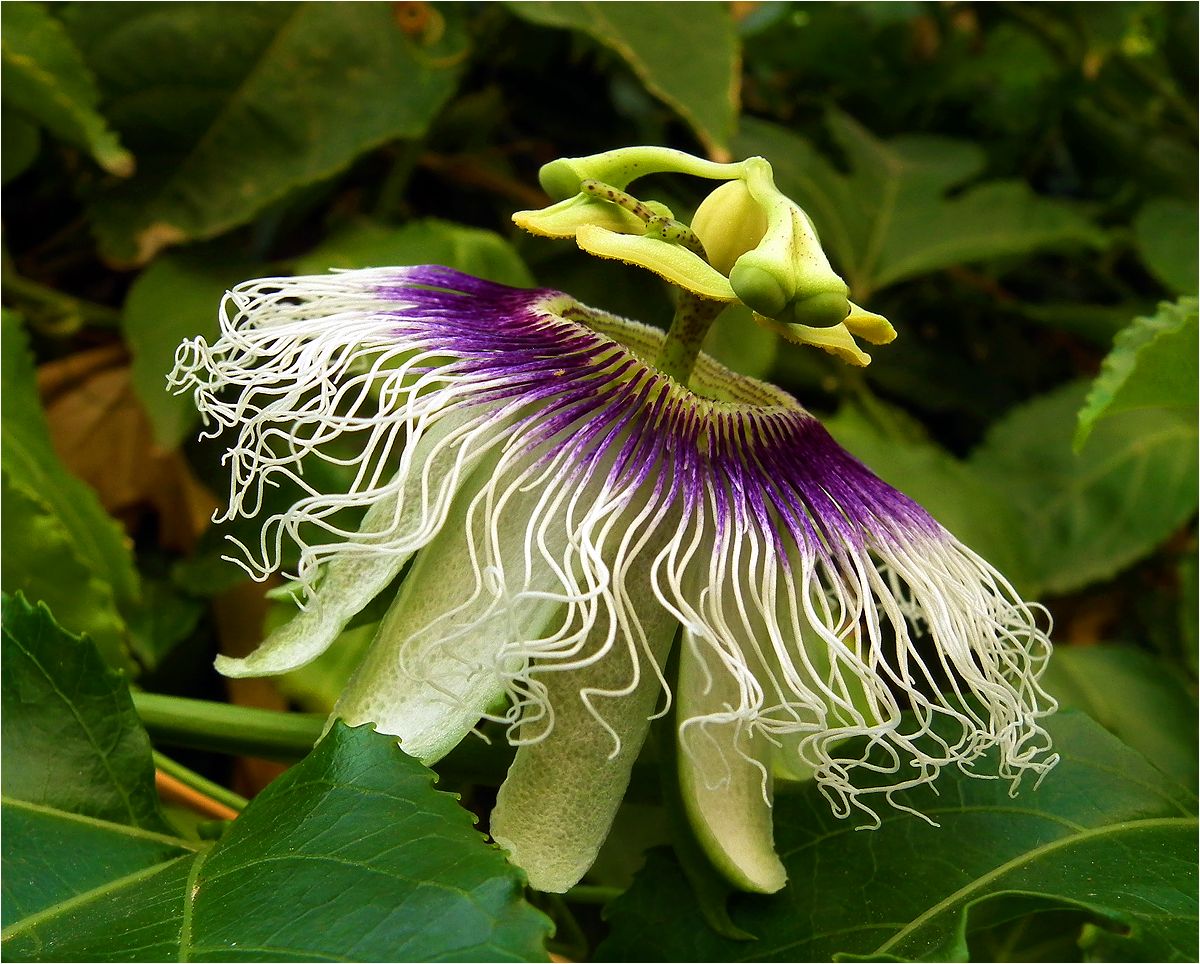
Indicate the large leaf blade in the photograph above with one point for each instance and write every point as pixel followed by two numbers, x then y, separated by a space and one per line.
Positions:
pixel 351 855
pixel 1152 365
pixel 33 467
pixel 72 739
pixel 45 77
pixel 1086 517
pixel 907 891
pixel 686 54
pixel 245 102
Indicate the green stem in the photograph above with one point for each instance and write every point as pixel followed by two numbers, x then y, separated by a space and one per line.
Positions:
pixel 201 784
pixel 23 289
pixel 238 730
pixel 693 317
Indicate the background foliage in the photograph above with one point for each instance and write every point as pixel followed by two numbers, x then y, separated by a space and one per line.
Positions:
pixel 1012 184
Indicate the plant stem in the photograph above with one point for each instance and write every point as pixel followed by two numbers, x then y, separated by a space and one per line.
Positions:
pixel 203 785
pixel 240 730
pixel 693 317
pixel 23 289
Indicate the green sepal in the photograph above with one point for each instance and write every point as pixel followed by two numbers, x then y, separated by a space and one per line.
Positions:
pixel 787 276
pixel 561 178
pixel 348 584
pixel 563 219
pixel 671 261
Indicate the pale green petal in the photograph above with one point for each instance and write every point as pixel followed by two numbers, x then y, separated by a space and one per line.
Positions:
pixel 354 576
pixel 436 664
pixel 555 809
pixel 726 796
pixel 671 261
pixel 350 582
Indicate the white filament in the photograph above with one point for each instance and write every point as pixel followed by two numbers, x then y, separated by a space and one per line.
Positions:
pixel 910 641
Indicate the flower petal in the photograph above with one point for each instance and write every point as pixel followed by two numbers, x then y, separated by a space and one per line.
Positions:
pixel 562 792
pixel 724 778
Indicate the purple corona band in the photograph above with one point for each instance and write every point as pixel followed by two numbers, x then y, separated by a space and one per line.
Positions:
pixel 773 466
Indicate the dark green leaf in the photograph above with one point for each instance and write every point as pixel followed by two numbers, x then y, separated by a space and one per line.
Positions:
pixel 241 103
pixel 395 868
pixel 1097 324
pixel 1106 835
pixel 72 740
pixel 1166 230
pixel 1134 695
pixel 369 244
pixel 686 54
pixel 40 560
pixel 1152 365
pixel 51 856
pixel 351 855
pixel 177 297
pixel 889 218
pixel 44 76
pixel 21 142
pixel 968 504
pixel 34 469
pixel 1085 517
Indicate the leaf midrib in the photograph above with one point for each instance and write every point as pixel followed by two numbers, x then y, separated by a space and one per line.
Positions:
pixel 33 920
pixel 98 823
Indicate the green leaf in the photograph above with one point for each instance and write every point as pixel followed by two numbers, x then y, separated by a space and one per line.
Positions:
pixel 686 54
pixel 1084 518
pixel 177 297
pixel 1166 232
pixel 52 856
pixel 395 868
pixel 40 560
pixel 1152 365
pixel 1135 696
pixel 967 503
pixel 33 469
pixel 888 218
pixel 72 740
pixel 21 144
pixel 369 244
pixel 239 104
pixel 44 76
pixel 350 855
pixel 1106 836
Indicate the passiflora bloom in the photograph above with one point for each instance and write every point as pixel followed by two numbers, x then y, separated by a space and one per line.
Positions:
pixel 575 500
